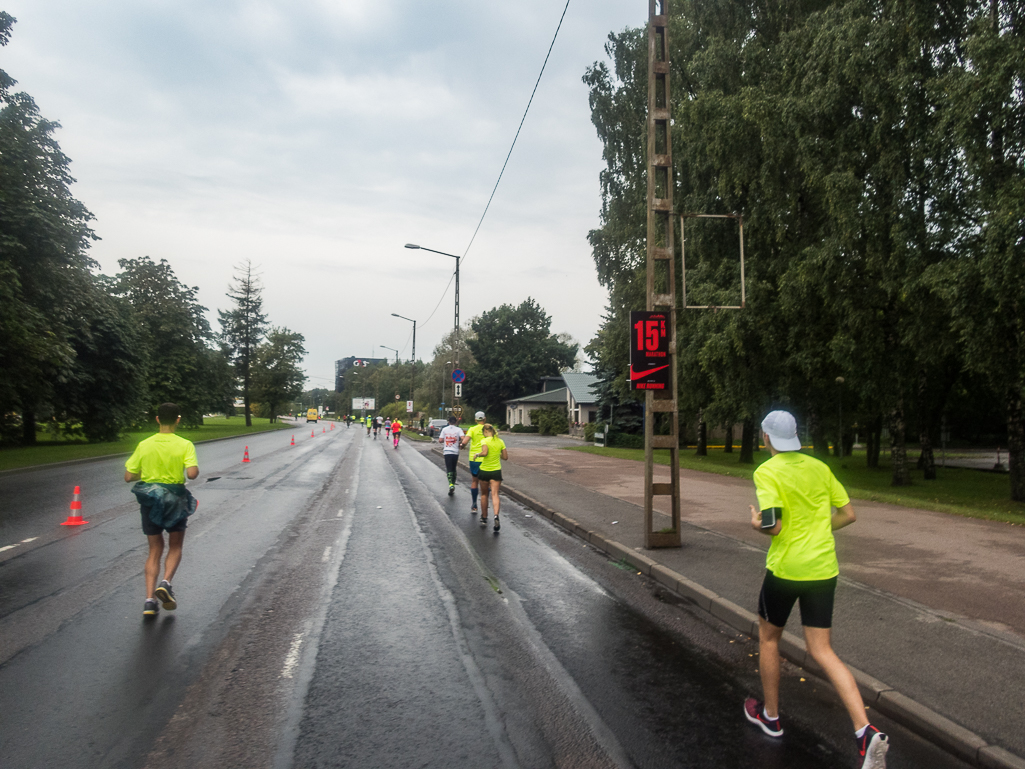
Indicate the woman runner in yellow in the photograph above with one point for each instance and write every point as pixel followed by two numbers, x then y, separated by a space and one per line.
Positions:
pixel 492 452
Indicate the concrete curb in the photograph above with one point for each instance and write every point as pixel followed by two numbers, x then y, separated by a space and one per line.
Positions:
pixel 937 729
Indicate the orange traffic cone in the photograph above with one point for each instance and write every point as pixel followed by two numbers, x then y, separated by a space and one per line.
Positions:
pixel 323 429
pixel 75 516
pixel 311 433
pixel 332 425
pixel 246 457
pixel 293 440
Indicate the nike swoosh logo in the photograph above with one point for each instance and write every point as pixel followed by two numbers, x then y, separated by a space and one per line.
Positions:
pixel 638 374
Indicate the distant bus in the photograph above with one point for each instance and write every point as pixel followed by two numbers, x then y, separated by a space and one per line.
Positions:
pixel 311 415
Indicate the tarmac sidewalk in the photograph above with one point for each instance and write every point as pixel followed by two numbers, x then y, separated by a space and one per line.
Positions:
pixel 929 613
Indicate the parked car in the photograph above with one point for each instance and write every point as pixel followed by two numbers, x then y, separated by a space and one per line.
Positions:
pixel 435 425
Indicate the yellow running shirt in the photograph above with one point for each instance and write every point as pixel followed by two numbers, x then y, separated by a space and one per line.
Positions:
pixel 476 434
pixel 807 491
pixel 493 461
pixel 162 458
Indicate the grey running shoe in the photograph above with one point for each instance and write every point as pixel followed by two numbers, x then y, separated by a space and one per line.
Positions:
pixel 151 608
pixel 497 525
pixel 166 595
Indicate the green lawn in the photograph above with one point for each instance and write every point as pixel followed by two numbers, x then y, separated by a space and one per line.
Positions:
pixel 970 493
pixel 48 451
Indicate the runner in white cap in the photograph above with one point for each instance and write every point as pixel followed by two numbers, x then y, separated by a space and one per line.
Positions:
pixel 475 436
pixel 796 498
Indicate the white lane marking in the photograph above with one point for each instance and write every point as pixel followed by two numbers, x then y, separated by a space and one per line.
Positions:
pixel 7 547
pixel 327 555
pixel 307 662
pixel 340 513
pixel 30 539
pixel 292 658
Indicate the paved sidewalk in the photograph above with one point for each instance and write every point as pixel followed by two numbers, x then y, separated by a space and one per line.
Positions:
pixel 930 608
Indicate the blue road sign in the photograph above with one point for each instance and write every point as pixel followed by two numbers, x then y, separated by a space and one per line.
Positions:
pixel 458 375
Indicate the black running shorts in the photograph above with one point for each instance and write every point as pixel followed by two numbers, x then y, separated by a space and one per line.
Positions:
pixel 778 596
pixel 451 460
pixel 489 475
pixel 149 528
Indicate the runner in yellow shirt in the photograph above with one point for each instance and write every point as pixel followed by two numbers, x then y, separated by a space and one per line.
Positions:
pixel 161 463
pixel 492 452
pixel 473 437
pixel 797 495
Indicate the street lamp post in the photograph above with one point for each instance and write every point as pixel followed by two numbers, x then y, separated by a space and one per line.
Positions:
pixel 386 347
pixel 457 258
pixel 412 387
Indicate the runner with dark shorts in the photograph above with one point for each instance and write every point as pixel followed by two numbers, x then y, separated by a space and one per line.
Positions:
pixel 796 497
pixel 492 453
pixel 160 464
pixel 473 437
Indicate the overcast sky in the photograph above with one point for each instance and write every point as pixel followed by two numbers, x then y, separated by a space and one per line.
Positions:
pixel 316 137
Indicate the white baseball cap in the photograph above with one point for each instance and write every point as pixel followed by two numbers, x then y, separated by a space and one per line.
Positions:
pixel 781 427
pixel 479 415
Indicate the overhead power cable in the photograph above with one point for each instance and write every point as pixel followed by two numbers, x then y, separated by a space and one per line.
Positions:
pixel 506 163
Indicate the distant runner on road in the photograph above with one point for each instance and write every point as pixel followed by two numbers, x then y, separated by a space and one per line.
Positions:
pixel 396 431
pixel 796 497
pixel 451 438
pixel 473 437
pixel 160 464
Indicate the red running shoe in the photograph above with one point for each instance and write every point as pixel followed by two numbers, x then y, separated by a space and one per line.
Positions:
pixel 754 711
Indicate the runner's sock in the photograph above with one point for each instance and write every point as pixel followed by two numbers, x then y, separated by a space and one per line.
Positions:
pixel 473 495
pixel 861 732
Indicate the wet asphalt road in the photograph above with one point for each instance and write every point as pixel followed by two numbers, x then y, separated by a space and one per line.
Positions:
pixel 338 608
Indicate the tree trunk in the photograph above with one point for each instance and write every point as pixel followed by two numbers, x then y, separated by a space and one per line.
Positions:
pixel 748 436
pixel 820 446
pixel 874 441
pixel 728 447
pixel 702 449
pixel 926 460
pixel 1016 444
pixel 28 427
pixel 898 448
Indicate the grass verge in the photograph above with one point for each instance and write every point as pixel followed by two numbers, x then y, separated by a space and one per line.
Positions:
pixel 50 451
pixel 969 493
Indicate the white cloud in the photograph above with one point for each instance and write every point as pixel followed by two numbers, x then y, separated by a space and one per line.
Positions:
pixel 317 137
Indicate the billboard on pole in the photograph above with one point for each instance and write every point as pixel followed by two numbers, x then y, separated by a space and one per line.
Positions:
pixel 365 404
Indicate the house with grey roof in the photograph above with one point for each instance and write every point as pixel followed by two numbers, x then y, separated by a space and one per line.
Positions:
pixel 575 395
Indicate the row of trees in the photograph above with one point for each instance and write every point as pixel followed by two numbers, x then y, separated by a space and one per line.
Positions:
pixel 93 354
pixel 876 149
